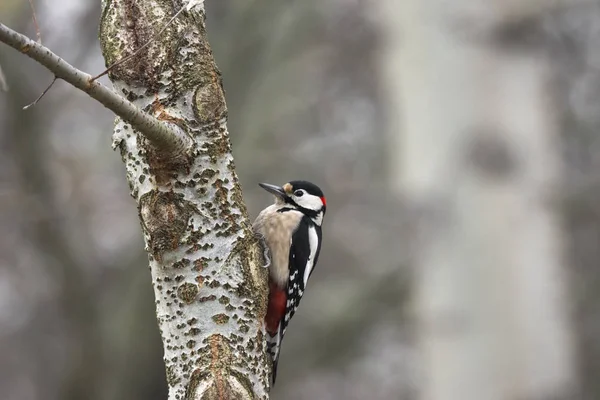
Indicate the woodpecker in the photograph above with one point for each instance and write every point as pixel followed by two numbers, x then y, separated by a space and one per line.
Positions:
pixel 291 230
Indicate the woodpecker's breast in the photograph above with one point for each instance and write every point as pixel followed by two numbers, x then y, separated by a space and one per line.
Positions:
pixel 277 228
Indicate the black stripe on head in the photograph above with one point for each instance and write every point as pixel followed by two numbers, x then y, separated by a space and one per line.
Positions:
pixel 305 211
pixel 310 188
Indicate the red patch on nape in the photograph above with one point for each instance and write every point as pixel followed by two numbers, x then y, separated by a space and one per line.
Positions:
pixel 324 201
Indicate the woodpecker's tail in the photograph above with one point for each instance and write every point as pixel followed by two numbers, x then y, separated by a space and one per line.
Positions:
pixel 273 347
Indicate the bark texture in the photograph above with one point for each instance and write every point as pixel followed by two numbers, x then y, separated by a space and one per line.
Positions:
pixel 206 265
pixel 479 162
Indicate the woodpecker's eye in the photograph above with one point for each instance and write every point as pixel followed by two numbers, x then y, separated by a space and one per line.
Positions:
pixel 298 193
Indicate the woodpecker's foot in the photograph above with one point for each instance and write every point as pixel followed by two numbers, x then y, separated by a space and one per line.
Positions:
pixel 266 252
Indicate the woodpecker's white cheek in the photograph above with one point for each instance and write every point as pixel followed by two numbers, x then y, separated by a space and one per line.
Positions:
pixel 309 201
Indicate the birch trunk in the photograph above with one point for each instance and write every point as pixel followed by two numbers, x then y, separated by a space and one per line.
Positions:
pixel 476 153
pixel 206 266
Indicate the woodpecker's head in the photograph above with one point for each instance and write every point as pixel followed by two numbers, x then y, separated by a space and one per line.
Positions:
pixel 301 195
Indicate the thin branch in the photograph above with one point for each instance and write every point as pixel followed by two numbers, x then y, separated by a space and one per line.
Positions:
pixel 41 95
pixel 135 53
pixel 158 133
pixel 38 33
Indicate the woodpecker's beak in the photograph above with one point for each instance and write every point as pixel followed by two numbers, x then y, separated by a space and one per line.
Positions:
pixel 276 190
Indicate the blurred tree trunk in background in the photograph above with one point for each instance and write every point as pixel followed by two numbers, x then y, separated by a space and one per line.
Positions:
pixel 206 265
pixel 476 151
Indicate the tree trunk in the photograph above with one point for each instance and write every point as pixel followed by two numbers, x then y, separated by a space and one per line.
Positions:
pixel 476 154
pixel 206 265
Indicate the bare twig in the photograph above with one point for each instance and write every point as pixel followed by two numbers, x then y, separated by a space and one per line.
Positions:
pixel 135 53
pixel 41 95
pixel 158 133
pixel 38 33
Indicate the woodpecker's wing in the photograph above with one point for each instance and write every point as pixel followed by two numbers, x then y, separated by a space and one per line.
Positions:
pixel 304 252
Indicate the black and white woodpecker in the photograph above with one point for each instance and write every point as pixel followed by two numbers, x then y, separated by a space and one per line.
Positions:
pixel 291 229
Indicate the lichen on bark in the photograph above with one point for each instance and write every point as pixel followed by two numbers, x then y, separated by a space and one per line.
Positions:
pixel 206 265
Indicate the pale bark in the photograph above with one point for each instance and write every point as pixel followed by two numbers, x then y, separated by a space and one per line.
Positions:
pixel 206 265
pixel 476 154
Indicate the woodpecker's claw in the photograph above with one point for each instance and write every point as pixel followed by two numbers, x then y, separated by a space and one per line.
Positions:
pixel 266 252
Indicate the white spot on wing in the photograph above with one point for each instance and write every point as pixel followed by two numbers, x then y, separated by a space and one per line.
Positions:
pixel 313 240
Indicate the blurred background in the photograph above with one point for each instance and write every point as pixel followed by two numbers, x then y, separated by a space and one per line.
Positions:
pixel 308 99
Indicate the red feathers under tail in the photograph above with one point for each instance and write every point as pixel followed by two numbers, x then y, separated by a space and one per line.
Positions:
pixel 275 312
